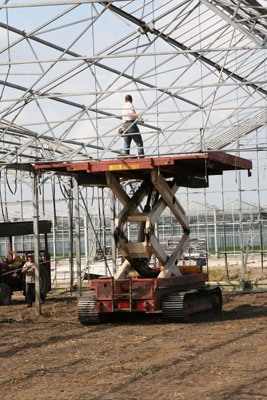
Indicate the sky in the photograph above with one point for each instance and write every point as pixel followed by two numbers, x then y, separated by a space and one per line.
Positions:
pixel 178 122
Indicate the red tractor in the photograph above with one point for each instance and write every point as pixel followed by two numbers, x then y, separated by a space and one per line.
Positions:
pixel 11 277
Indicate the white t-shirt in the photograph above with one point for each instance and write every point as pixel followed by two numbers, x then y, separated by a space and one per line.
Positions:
pixel 127 111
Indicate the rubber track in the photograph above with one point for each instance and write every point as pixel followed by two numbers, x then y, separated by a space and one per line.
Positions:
pixel 86 310
pixel 173 307
pixel 173 304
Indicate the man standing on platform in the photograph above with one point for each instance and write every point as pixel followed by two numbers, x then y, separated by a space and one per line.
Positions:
pixel 130 130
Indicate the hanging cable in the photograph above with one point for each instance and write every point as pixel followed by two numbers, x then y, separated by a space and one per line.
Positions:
pixel 5 193
pixel 66 195
pixel 16 185
pixel 1 200
pixel 95 233
pixel 93 195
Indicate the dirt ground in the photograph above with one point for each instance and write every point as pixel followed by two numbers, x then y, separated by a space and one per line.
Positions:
pixel 53 356
pixel 253 275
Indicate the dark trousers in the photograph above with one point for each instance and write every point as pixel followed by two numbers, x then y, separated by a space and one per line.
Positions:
pixel 30 292
pixel 131 132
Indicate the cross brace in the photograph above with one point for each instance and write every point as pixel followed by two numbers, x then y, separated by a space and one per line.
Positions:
pixel 138 254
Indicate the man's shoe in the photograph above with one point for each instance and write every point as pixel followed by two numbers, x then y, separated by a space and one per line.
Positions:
pixel 29 305
pixel 122 156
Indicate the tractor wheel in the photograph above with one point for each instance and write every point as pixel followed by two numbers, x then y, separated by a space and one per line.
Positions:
pixel 5 294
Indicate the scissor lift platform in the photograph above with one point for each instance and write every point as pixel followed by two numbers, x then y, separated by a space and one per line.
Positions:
pixel 166 288
pixel 189 170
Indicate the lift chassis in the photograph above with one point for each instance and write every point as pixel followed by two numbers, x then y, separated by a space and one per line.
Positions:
pixel 169 291
pixel 136 287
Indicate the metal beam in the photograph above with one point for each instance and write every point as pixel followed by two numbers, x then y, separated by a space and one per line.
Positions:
pixel 170 268
pixel 163 188
pixel 147 28
pixel 77 236
pixel 155 248
pixel 36 243
pixel 53 3
pixel 93 62
pixel 160 206
pixel 132 204
pixel 112 226
pixel 231 22
pixel 70 233
pixel 71 103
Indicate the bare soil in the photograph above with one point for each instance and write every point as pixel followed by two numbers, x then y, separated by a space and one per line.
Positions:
pixel 254 276
pixel 53 356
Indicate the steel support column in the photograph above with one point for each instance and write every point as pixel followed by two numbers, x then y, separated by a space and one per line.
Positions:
pixel 70 234
pixel 77 236
pixel 113 244
pixel 36 243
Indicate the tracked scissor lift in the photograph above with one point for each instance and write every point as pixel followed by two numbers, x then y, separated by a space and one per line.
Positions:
pixel 150 290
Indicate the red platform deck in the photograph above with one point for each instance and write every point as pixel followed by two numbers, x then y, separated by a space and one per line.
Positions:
pixel 191 170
